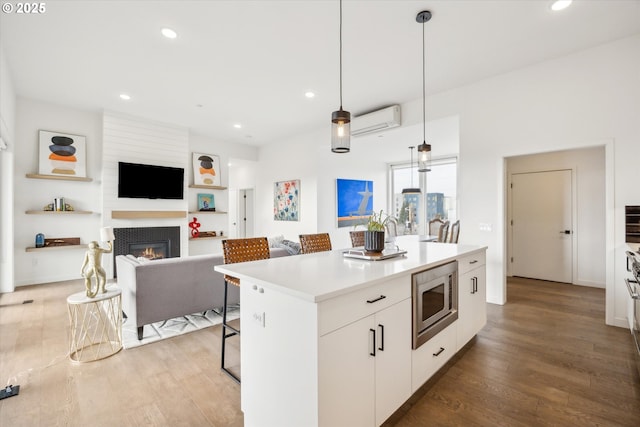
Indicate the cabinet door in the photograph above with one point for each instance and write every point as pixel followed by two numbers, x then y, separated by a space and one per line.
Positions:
pixel 393 358
pixel 346 375
pixel 472 304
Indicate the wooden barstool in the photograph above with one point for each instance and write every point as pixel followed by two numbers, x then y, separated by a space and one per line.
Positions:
pixel 310 243
pixel 233 251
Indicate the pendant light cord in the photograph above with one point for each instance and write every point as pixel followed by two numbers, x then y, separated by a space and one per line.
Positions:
pixel 340 54
pixel 424 93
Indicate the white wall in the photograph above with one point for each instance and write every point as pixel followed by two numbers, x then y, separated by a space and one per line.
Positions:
pixel 7 133
pixel 581 100
pixel 33 194
pixel 309 158
pixel 589 229
pixel 239 175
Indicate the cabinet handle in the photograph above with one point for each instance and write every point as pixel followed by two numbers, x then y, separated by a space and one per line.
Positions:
pixel 371 301
pixel 373 353
pixel 381 348
pixel 474 285
pixel 436 354
pixel 473 262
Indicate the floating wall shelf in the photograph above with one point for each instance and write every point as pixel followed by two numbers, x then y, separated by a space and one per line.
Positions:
pixel 58 177
pixel 207 212
pixel 208 187
pixel 147 214
pixel 55 248
pixel 58 212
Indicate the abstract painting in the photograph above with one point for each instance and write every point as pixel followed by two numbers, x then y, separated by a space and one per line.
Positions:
pixel 354 201
pixel 62 154
pixel 206 169
pixel 286 200
pixel 206 202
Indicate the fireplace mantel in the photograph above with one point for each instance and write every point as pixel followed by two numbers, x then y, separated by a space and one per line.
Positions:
pixel 147 214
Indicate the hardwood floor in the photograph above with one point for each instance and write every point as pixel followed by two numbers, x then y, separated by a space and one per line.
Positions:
pixel 545 358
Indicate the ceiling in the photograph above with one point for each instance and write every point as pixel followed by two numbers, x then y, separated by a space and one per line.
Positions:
pixel 251 62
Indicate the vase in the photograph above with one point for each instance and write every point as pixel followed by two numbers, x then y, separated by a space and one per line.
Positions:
pixel 373 241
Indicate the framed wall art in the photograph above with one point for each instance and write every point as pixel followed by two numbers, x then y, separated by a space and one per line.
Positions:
pixel 206 169
pixel 286 200
pixel 62 154
pixel 206 202
pixel 354 201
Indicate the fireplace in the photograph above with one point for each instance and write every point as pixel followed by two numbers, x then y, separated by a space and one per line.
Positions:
pixel 147 242
pixel 150 250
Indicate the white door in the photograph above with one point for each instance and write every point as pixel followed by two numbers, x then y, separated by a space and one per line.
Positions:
pixel 542 226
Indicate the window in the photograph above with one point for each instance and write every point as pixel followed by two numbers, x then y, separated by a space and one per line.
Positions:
pixel 440 184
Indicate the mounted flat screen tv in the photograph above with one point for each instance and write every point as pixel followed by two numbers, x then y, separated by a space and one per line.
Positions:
pixel 138 181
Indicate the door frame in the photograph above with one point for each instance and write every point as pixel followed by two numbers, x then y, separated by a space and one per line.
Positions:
pixel 574 218
pixel 610 223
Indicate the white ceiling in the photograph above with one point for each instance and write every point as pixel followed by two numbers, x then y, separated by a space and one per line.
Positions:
pixel 251 62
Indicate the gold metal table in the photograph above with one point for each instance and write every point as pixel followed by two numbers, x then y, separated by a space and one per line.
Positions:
pixel 95 325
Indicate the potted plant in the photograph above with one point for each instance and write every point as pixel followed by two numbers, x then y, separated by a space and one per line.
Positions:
pixel 374 234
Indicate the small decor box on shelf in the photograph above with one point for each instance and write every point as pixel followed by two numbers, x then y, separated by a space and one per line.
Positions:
pixel 61 241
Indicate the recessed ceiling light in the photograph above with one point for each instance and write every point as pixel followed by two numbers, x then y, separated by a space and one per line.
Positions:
pixel 560 4
pixel 125 96
pixel 309 94
pixel 237 126
pixel 169 33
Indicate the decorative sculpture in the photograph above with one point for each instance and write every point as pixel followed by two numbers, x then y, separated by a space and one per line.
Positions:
pixel 92 264
pixel 195 227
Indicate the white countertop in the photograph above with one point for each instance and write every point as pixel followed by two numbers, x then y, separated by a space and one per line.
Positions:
pixel 323 275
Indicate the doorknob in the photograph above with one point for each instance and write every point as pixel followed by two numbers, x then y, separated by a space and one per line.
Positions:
pixel 565 232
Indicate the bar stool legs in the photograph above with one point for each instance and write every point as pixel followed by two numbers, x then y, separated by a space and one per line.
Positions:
pixel 225 335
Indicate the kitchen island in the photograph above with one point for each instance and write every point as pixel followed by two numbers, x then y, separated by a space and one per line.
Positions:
pixel 310 324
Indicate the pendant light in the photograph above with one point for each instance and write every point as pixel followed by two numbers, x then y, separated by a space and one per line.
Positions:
pixel 340 120
pixel 424 149
pixel 412 189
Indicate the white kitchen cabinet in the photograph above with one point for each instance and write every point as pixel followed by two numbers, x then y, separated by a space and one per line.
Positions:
pixel 472 297
pixel 365 368
pixel 432 355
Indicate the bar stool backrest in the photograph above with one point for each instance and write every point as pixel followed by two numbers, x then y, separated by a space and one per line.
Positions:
pixel 241 250
pixel 357 238
pixel 310 243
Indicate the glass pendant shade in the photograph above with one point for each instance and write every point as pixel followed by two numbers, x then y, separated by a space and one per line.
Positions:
pixel 424 157
pixel 340 131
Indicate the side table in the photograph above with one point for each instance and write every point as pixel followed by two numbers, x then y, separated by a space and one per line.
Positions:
pixel 95 325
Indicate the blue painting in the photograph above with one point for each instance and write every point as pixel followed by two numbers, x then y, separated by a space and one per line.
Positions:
pixel 355 201
pixel 286 200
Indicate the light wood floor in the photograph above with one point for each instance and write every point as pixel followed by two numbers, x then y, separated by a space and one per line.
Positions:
pixel 545 358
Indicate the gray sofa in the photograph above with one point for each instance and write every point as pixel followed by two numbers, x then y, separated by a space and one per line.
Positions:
pixel 158 290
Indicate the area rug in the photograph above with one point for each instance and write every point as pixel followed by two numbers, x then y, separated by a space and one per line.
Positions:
pixel 173 327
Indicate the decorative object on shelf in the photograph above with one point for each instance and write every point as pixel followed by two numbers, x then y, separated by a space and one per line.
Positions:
pixel 206 202
pixel 195 227
pixel 58 204
pixel 51 208
pixel 354 201
pixel 202 234
pixel 39 240
pixel 340 120
pixel 374 234
pixel 206 169
pixel 92 264
pixel 221 233
pixel 424 149
pixel 61 241
pixel 62 154
pixel 286 200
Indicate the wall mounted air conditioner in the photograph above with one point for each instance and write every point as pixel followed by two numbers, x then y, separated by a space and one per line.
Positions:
pixel 376 121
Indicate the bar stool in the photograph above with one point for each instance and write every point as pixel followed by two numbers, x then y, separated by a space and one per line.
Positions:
pixel 310 243
pixel 357 238
pixel 233 251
